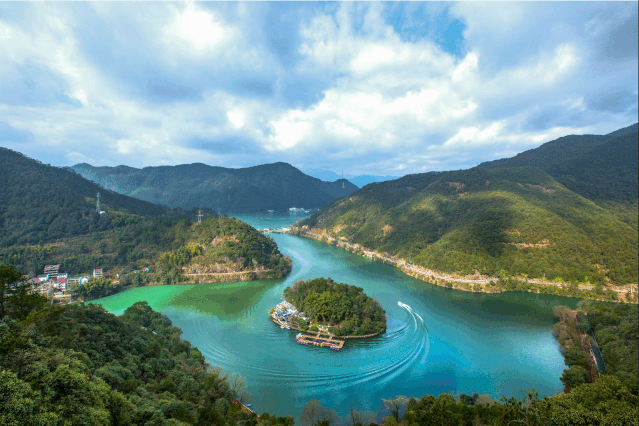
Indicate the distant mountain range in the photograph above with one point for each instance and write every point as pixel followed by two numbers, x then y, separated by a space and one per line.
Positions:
pixel 277 186
pixel 359 180
pixel 567 209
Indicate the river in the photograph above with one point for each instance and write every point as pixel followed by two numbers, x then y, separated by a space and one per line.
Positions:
pixel 438 340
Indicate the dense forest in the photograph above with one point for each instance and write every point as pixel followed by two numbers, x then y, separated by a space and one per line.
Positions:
pixel 276 186
pixel 79 364
pixel 41 203
pixel 335 304
pixel 615 331
pixel 504 222
pixel 101 369
pixel 175 250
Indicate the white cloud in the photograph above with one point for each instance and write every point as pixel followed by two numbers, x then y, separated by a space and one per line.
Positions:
pixel 529 73
pixel 196 31
pixel 236 118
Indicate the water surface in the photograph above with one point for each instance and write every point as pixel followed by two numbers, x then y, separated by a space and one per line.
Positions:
pixel 438 340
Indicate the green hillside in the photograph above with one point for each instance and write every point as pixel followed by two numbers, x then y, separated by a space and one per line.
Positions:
pixel 499 221
pixel 99 369
pixel 276 186
pixel 601 168
pixel 48 216
pixel 175 250
pixel 41 203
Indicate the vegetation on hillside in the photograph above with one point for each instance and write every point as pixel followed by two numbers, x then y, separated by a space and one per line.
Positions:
pixel 276 186
pixel 336 304
pixel 79 364
pixel 501 222
pixel 41 204
pixel 170 247
pixel 616 331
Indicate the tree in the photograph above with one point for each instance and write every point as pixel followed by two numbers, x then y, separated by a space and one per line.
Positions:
pixel 573 376
pixel 17 298
pixel 20 405
pixel 313 414
pixel 9 278
pixel 394 405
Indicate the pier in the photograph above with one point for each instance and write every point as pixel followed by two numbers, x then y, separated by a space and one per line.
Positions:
pixel 304 339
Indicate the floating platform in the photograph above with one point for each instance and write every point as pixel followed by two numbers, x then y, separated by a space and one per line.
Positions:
pixel 304 339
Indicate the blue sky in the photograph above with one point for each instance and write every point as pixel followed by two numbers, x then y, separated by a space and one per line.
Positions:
pixel 377 88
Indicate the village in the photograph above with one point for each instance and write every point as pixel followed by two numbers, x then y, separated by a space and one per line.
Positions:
pixel 56 286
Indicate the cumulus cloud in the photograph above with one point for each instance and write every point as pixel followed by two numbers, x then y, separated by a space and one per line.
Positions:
pixel 396 88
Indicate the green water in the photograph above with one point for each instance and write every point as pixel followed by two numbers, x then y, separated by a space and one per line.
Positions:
pixel 438 340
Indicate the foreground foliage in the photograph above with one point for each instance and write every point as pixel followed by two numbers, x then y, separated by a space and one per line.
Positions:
pixel 336 304
pixel 79 364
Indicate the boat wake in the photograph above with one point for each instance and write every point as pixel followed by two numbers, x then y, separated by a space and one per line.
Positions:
pixel 378 360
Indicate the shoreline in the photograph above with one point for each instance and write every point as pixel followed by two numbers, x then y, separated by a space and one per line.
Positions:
pixel 475 283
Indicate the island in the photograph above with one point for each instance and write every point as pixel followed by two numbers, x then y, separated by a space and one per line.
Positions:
pixel 326 308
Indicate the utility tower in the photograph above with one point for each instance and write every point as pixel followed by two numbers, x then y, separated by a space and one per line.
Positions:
pixel 98 203
pixel 199 216
pixel 343 179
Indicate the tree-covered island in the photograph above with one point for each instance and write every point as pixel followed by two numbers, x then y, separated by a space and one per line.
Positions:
pixel 341 308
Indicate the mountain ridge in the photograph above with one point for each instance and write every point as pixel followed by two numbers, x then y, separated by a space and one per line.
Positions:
pixel 273 186
pixel 507 218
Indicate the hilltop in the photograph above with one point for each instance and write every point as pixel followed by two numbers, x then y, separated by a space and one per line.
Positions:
pixel 41 203
pixel 276 186
pixel 603 168
pixel 48 216
pixel 511 218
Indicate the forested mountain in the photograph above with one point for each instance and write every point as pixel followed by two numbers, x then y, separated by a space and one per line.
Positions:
pixel 276 186
pixel 41 203
pixel 48 216
pixel 602 168
pixel 508 218
pixel 176 250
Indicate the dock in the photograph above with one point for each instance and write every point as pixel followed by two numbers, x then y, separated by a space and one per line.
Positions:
pixel 305 339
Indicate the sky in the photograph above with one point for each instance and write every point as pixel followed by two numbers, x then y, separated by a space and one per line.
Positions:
pixel 382 88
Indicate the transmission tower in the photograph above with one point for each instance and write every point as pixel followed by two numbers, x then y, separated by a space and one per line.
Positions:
pixel 199 216
pixel 98 203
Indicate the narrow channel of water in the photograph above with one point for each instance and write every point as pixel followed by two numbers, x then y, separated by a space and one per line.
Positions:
pixel 438 339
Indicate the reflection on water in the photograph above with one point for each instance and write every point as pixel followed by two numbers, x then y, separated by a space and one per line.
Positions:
pixel 437 340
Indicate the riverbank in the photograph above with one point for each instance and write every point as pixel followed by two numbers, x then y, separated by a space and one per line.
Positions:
pixel 478 283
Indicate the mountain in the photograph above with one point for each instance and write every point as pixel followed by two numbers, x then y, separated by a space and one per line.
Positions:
pixel 543 213
pixel 43 203
pixel 48 216
pixel 277 186
pixel 599 167
pixel 363 180
pixel 359 180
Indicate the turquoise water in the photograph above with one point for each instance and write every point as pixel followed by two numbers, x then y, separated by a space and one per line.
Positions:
pixel 439 340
